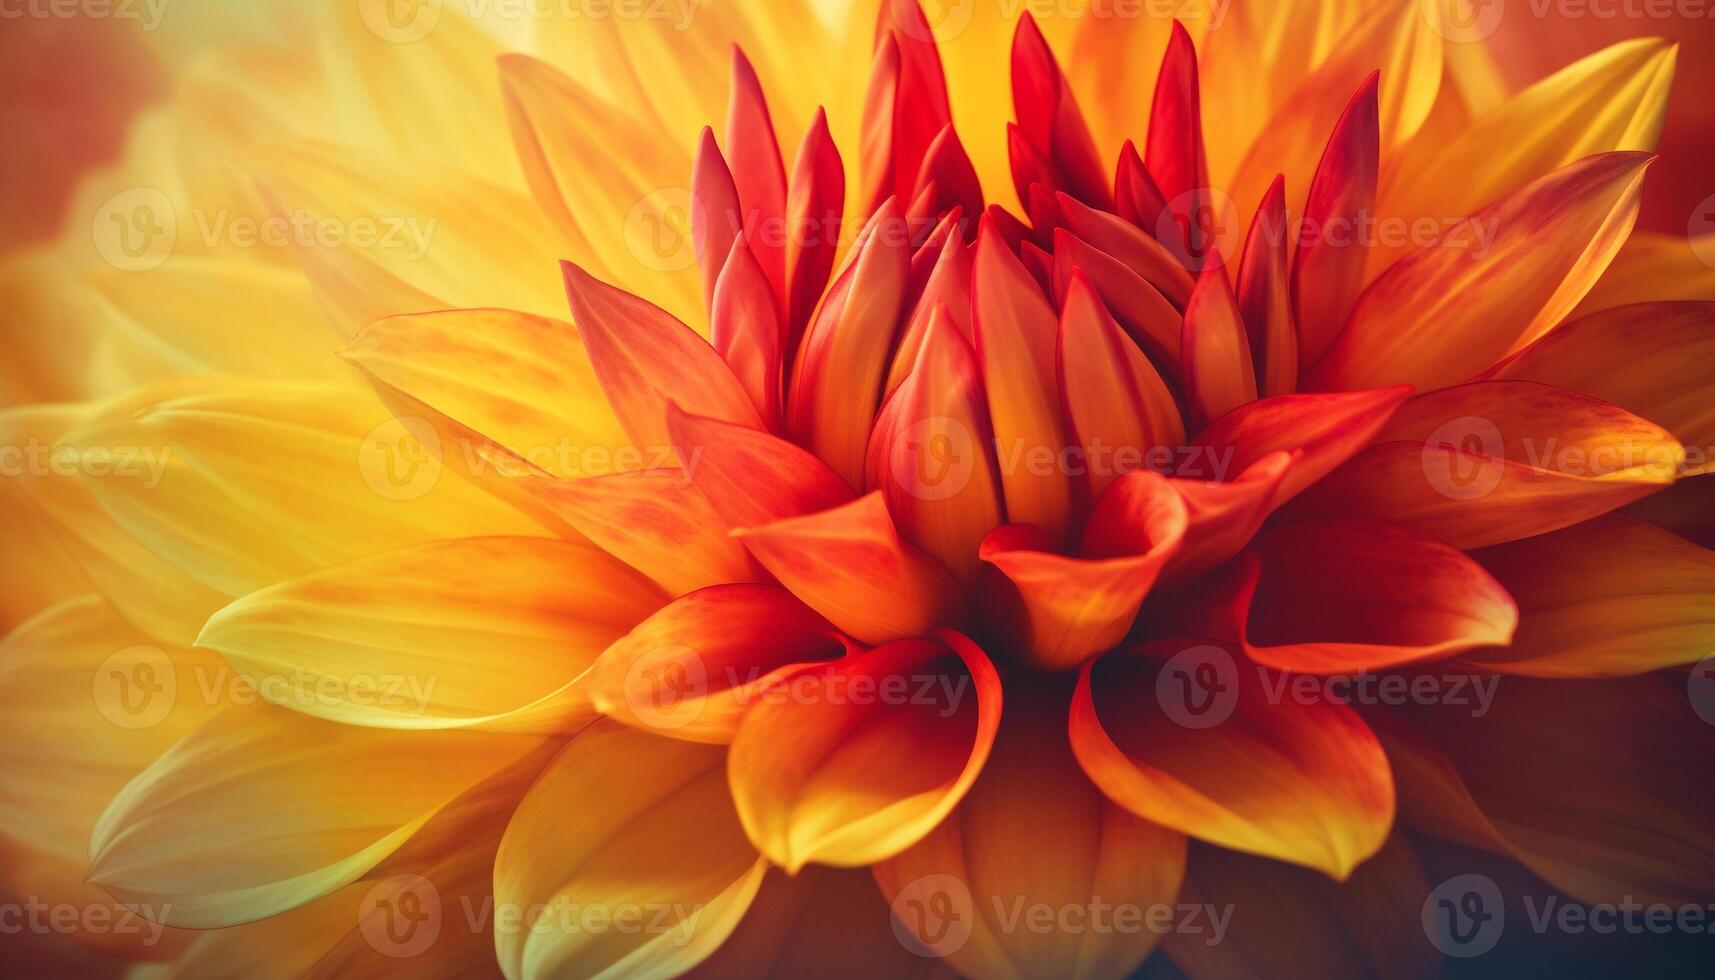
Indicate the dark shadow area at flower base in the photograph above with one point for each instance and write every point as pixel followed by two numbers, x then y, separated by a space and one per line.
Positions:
pixel 1523 950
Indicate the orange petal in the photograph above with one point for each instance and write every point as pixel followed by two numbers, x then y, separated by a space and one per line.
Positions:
pixel 1059 609
pixel 1601 789
pixel 852 762
pixel 931 453
pixel 1343 594
pixel 814 201
pixel 1491 284
pixel 947 291
pixel 1667 351
pixel 836 385
pixel 757 171
pixel 744 325
pixel 1015 331
pixel 1214 352
pixel 1153 323
pixel 1117 406
pixel 1328 429
pixel 656 521
pixel 695 667
pixel 1328 272
pixel 1300 782
pixel 1264 294
pixel 749 476
pixel 1034 835
pixel 646 359
pixel 851 565
pixel 1605 598
pixel 1495 461
pixel 1224 517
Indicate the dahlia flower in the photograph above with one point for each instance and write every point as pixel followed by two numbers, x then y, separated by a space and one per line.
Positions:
pixel 980 494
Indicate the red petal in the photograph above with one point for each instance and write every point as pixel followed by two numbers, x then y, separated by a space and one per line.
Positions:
pixel 757 170
pixel 1265 296
pixel 717 217
pixel 744 325
pixel 816 198
pixel 1214 353
pixel 1122 240
pixel 1049 117
pixel 1153 323
pixel 1174 150
pixel 1328 274
pixel 1329 429
pixel 1137 199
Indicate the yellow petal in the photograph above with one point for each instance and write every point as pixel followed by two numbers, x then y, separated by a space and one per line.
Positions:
pixel 411 638
pixel 521 380
pixel 323 803
pixel 663 846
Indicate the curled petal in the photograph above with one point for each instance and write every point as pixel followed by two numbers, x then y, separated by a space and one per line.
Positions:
pixel 696 666
pixel 851 565
pixel 1224 516
pixel 1344 594
pixel 836 765
pixel 1063 609
pixel 1305 783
